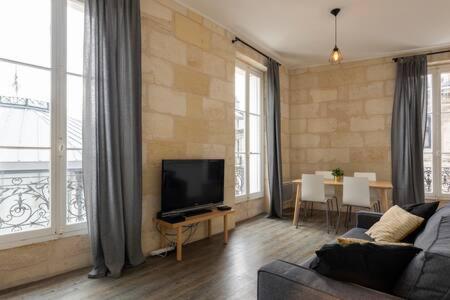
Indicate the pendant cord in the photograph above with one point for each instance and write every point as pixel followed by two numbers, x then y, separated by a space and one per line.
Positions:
pixel 335 31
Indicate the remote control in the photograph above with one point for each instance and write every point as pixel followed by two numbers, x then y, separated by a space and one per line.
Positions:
pixel 223 207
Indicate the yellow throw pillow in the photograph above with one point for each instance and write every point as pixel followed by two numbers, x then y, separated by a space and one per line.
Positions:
pixel 344 241
pixel 394 225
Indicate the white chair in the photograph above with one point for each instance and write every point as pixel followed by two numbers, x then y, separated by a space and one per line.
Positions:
pixel 313 190
pixel 355 193
pixel 330 191
pixel 372 177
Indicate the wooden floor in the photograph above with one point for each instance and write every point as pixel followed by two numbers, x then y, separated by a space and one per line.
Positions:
pixel 210 270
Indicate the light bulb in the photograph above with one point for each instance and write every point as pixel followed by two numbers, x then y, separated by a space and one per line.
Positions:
pixel 336 56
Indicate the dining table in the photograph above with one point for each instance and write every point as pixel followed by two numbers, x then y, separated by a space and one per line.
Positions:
pixel 382 186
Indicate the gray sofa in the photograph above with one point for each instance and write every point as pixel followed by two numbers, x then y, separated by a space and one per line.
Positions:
pixel 426 277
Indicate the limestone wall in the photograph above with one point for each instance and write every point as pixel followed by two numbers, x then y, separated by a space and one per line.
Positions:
pixel 188 112
pixel 340 116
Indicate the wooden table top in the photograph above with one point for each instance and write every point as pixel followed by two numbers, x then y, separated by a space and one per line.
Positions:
pixel 372 184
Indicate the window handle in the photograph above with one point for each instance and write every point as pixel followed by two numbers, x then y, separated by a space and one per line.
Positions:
pixel 61 148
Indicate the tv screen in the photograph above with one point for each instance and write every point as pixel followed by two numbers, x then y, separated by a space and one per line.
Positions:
pixel 191 184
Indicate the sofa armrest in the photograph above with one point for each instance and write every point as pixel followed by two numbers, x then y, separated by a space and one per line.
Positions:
pixel 287 281
pixel 365 219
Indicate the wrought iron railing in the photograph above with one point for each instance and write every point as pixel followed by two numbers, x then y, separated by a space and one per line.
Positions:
pixel 445 174
pixel 428 179
pixel 76 206
pixel 445 180
pixel 239 181
pixel 24 102
pixel 25 201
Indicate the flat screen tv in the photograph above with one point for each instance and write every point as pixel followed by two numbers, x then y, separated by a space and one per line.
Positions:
pixel 191 184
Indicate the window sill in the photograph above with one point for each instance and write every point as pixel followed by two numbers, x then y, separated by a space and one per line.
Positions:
pixel 41 239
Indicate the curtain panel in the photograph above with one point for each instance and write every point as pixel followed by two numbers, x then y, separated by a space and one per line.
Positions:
pixel 273 139
pixel 408 130
pixel 112 134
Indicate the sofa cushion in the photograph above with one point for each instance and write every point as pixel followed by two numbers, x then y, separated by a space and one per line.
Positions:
pixel 370 265
pixel 357 233
pixel 394 225
pixel 348 241
pixel 426 277
pixel 281 280
pixel 423 210
pixel 428 235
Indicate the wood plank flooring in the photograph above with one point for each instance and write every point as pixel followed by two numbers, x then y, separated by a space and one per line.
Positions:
pixel 209 270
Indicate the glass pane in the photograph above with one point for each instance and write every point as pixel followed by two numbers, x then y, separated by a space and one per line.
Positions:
pixel 429 93
pixel 255 173
pixel 25 31
pixel 445 92
pixel 75 34
pixel 240 178
pixel 445 133
pixel 255 94
pixel 24 189
pixel 239 87
pixel 19 81
pixel 428 141
pixel 239 131
pixel 428 172
pixel 75 205
pixel 24 148
pixel 255 134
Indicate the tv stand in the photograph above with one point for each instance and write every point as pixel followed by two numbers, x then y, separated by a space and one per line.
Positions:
pixel 205 217
pixel 197 212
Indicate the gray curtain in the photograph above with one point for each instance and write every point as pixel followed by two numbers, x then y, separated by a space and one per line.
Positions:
pixel 112 133
pixel 273 139
pixel 408 130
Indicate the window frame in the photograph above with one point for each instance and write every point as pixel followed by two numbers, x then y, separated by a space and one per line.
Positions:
pixel 58 138
pixel 436 151
pixel 261 74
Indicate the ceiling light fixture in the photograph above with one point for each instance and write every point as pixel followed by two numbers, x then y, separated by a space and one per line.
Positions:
pixel 336 55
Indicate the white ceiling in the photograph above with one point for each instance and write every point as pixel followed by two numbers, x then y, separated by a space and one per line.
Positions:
pixel 300 32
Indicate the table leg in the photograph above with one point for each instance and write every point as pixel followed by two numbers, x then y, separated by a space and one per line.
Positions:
pixel 179 243
pixel 297 205
pixel 162 238
pixel 384 200
pixel 209 228
pixel 225 229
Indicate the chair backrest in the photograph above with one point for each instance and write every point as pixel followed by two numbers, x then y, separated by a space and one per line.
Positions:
pixel 313 188
pixel 325 174
pixel 369 175
pixel 356 191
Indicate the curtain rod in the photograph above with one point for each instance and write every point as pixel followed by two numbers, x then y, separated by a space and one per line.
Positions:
pixel 395 59
pixel 236 39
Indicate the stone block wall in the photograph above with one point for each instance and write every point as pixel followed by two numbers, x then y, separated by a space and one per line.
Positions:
pixel 340 116
pixel 187 112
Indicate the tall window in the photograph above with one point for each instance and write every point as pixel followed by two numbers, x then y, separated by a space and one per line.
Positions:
pixel 437 136
pixel 41 61
pixel 248 133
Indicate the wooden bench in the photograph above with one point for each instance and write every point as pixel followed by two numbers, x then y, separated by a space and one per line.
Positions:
pixel 207 217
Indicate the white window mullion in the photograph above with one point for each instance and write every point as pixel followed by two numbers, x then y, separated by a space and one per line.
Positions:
pixel 436 130
pixel 247 131
pixel 437 145
pixel 58 112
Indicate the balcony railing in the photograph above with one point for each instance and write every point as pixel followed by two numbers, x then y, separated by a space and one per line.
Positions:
pixel 25 201
pixel 445 180
pixel 239 183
